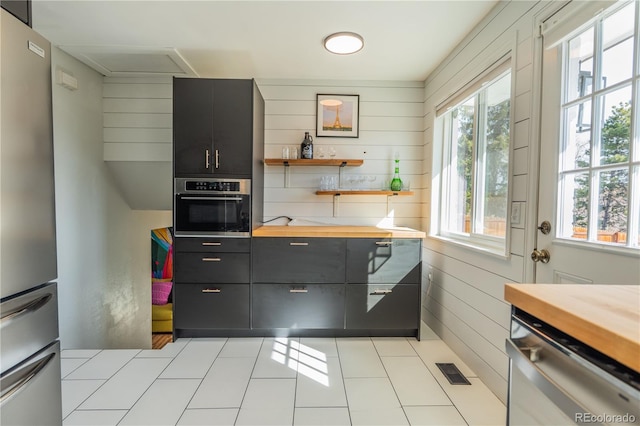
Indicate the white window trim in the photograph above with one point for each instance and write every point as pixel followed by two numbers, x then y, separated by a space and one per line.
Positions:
pixel 484 244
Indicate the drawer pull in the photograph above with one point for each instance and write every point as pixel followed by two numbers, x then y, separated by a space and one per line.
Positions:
pixel 298 244
pixel 381 292
pixel 211 290
pixel 211 244
pixel 384 243
pixel 298 290
pixel 211 259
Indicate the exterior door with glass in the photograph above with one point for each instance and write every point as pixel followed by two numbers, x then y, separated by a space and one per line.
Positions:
pixel 589 184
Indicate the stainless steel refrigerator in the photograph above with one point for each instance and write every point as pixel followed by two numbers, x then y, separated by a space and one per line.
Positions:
pixel 29 348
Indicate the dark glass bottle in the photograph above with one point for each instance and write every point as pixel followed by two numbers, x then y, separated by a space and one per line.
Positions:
pixel 306 147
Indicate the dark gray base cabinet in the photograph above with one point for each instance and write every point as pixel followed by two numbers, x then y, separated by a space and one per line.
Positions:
pixel 383 261
pixel 211 306
pixel 299 260
pixel 209 267
pixel 298 306
pixel 379 306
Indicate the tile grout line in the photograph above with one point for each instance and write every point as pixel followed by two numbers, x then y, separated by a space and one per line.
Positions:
pixel 395 392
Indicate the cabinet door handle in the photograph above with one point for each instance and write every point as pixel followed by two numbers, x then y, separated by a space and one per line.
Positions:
pixel 211 259
pixel 211 290
pixel 298 290
pixel 382 292
pixel 206 159
pixel 298 244
pixel 217 159
pixel 384 243
pixel 211 244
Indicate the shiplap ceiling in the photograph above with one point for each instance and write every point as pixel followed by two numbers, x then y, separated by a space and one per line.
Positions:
pixel 404 40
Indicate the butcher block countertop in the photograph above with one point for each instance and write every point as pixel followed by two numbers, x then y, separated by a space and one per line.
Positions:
pixel 605 317
pixel 336 232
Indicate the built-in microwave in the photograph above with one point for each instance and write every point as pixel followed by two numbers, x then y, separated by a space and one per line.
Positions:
pixel 212 206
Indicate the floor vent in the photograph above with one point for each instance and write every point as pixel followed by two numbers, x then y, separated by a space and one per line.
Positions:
pixel 452 374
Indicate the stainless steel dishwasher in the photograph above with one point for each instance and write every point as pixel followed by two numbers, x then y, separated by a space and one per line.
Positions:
pixel 555 379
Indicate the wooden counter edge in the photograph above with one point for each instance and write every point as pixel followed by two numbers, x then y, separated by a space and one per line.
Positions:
pixel 595 335
pixel 335 232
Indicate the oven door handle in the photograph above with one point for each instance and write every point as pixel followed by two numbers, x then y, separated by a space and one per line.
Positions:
pixel 543 382
pixel 213 198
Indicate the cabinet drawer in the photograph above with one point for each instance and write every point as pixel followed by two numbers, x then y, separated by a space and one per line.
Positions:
pixel 383 306
pixel 212 268
pixel 383 261
pixel 213 244
pixel 299 260
pixel 211 306
pixel 298 306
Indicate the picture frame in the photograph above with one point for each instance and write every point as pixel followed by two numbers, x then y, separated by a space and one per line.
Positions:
pixel 337 116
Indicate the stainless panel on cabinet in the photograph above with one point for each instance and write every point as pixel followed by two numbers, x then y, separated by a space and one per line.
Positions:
pixel 27 197
pixel 213 244
pixel 211 306
pixel 299 260
pixel 30 392
pixel 212 268
pixel 383 261
pixel 304 306
pixel 28 323
pixel 379 306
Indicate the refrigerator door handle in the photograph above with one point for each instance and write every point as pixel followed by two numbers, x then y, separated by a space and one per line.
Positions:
pixel 15 382
pixel 32 305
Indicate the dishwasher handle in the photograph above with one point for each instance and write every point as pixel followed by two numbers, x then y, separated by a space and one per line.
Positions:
pixel 543 382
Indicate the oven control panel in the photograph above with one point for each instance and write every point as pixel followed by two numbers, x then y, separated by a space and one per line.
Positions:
pixel 226 186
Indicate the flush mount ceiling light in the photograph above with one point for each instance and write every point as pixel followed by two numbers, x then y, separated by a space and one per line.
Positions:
pixel 343 43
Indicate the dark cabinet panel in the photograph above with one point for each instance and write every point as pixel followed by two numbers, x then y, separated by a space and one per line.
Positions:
pixel 21 9
pixel 212 267
pixel 232 127
pixel 299 260
pixel 298 306
pixel 213 244
pixel 211 306
pixel 379 306
pixel 192 126
pixel 213 127
pixel 383 261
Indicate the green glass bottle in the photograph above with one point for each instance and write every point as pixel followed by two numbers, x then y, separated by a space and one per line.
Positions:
pixel 396 182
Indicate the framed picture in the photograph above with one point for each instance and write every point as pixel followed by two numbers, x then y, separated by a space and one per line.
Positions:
pixel 337 115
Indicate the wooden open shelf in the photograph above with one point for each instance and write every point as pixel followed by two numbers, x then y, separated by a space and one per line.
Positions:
pixel 313 162
pixel 363 192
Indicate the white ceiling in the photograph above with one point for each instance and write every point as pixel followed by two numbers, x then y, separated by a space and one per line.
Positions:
pixel 404 40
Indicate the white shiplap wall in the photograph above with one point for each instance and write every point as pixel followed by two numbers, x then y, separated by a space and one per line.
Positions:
pixel 391 119
pixel 138 137
pixel 464 300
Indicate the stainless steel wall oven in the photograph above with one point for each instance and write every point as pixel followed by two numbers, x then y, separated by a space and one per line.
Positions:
pixel 212 206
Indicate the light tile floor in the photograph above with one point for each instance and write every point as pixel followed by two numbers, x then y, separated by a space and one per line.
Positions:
pixel 274 381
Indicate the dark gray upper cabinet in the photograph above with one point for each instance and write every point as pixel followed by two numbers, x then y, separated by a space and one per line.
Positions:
pixel 213 127
pixel 299 260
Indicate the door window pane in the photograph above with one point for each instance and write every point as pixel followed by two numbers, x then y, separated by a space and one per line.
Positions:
pixel 612 201
pixel 577 149
pixel 617 42
pixel 574 220
pixel 616 127
pixel 580 66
